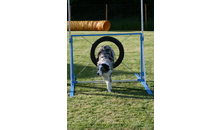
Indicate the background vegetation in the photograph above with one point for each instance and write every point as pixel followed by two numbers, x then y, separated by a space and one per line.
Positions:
pixel 110 1
pixel 122 14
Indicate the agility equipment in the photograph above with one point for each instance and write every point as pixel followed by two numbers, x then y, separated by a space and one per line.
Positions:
pixel 106 37
pixel 102 25
pixel 111 39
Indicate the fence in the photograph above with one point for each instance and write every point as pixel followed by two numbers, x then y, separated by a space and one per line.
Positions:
pixel 121 17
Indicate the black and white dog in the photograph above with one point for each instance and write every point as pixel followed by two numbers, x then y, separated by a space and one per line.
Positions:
pixel 105 62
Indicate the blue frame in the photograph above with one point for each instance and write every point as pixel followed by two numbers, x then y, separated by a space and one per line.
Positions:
pixel 140 77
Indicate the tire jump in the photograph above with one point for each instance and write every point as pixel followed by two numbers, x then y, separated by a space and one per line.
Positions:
pixel 111 39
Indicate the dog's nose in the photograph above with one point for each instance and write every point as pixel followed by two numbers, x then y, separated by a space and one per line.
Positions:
pixel 98 74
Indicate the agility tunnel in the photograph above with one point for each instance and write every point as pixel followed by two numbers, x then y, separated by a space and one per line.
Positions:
pixel 103 25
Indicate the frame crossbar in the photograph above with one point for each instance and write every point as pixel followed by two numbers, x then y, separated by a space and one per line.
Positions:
pixel 101 81
pixel 111 34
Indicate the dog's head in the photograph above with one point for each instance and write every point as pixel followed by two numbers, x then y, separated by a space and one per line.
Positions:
pixel 103 69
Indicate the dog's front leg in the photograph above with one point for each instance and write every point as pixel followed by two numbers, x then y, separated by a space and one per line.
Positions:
pixel 108 83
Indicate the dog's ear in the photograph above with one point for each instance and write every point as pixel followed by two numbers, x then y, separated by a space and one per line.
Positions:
pixel 106 67
pixel 97 61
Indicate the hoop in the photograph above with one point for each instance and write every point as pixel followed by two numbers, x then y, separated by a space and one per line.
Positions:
pixel 111 39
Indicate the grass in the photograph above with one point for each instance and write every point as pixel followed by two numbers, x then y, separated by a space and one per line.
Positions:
pixel 128 106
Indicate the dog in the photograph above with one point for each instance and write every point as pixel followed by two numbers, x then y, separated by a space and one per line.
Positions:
pixel 105 63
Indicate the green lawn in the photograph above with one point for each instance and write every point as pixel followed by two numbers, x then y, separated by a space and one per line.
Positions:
pixel 128 106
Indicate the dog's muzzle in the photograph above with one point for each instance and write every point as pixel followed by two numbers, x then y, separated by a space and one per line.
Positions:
pixel 99 73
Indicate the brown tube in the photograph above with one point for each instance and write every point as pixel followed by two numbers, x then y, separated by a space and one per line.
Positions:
pixel 103 25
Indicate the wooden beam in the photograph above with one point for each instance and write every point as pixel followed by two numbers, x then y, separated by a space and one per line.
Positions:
pixel 106 11
pixel 145 16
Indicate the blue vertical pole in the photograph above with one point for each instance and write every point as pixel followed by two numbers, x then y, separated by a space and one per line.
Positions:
pixel 143 72
pixel 141 42
pixel 142 38
pixel 72 76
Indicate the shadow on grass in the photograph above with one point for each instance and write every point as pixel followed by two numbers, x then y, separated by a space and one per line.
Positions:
pixel 120 96
pixel 123 92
